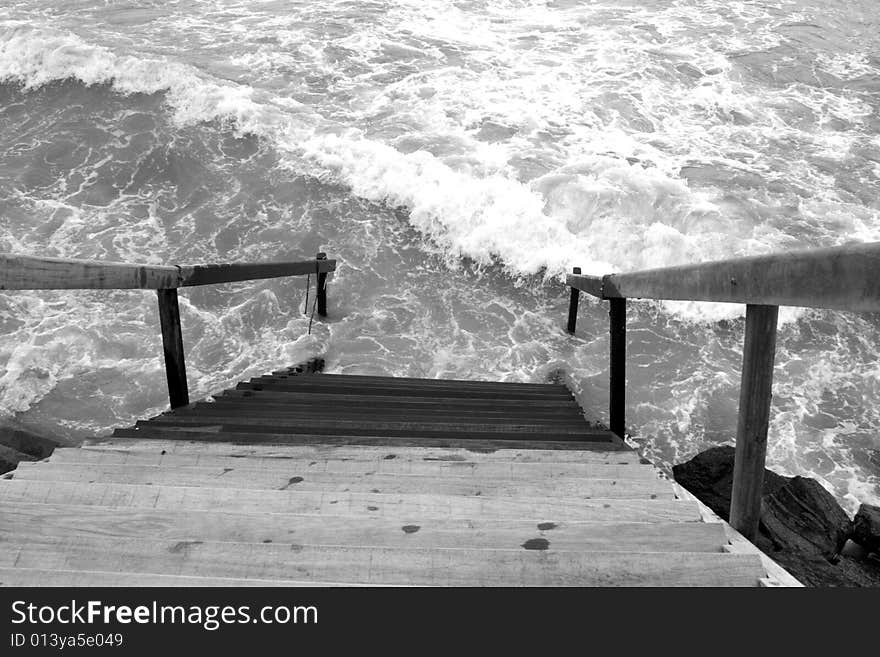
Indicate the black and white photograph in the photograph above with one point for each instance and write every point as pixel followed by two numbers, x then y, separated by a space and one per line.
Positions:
pixel 344 294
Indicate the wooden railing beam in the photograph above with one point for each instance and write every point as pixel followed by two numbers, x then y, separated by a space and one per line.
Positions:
pixel 842 278
pixel 32 273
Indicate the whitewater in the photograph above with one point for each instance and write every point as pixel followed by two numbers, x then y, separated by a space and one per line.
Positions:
pixel 457 158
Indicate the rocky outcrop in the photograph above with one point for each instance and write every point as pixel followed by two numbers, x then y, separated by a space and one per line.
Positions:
pixel 866 528
pixel 18 445
pixel 709 476
pixel 802 527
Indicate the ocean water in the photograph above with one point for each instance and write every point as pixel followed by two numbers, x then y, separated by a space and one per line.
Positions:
pixel 457 158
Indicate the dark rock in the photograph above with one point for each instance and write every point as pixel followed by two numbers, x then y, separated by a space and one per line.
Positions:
pixel 803 515
pixel 802 527
pixel 866 527
pixel 27 442
pixel 10 458
pixel 709 476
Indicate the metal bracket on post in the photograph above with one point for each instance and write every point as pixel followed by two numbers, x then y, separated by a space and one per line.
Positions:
pixel 573 305
pixel 172 344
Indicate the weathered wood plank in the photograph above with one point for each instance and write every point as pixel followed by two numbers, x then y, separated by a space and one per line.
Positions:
pixel 753 420
pixel 74 578
pixel 283 433
pixel 405 380
pixel 23 521
pixel 172 347
pixel 335 409
pixel 402 566
pixel 410 506
pixel 316 397
pixel 843 277
pixel 233 272
pixel 294 384
pixel 20 272
pixel 366 425
pixel 298 476
pixel 617 366
pixel 386 462
pixel 317 451
pixel 429 413
pixel 585 283
pixel 472 441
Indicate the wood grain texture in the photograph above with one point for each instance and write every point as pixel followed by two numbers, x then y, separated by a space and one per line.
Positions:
pixel 172 348
pixel 20 272
pixel 244 447
pixel 842 278
pixel 423 462
pixel 19 577
pixel 411 505
pixel 298 476
pixel 64 520
pixel 395 566
pixel 753 419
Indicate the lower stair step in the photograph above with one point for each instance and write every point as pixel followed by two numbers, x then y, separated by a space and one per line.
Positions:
pixel 395 566
pixel 65 521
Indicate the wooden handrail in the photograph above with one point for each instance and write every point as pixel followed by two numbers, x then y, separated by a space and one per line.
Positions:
pixel 842 278
pixel 19 272
pixel 34 273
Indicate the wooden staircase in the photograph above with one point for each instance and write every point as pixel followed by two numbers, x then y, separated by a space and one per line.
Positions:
pixel 300 478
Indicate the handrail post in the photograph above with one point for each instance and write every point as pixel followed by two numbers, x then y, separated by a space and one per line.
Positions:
pixel 172 344
pixel 759 351
pixel 617 402
pixel 573 305
pixel 322 288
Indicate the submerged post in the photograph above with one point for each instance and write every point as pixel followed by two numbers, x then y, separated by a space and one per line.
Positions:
pixel 617 404
pixel 322 288
pixel 573 305
pixel 755 394
pixel 172 343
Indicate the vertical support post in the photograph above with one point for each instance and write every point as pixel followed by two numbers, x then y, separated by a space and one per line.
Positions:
pixel 755 394
pixel 573 305
pixel 322 288
pixel 172 344
pixel 617 404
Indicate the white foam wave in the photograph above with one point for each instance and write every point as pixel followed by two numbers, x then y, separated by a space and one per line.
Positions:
pixel 595 209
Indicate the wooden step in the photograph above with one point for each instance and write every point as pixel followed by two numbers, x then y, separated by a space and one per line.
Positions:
pixel 379 464
pixel 25 520
pixel 247 436
pixel 433 416
pixel 372 383
pixel 315 397
pixel 335 410
pixel 405 380
pixel 397 566
pixel 365 427
pixel 414 507
pixel 298 476
pixel 21 577
pixel 336 451
pixel 391 391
